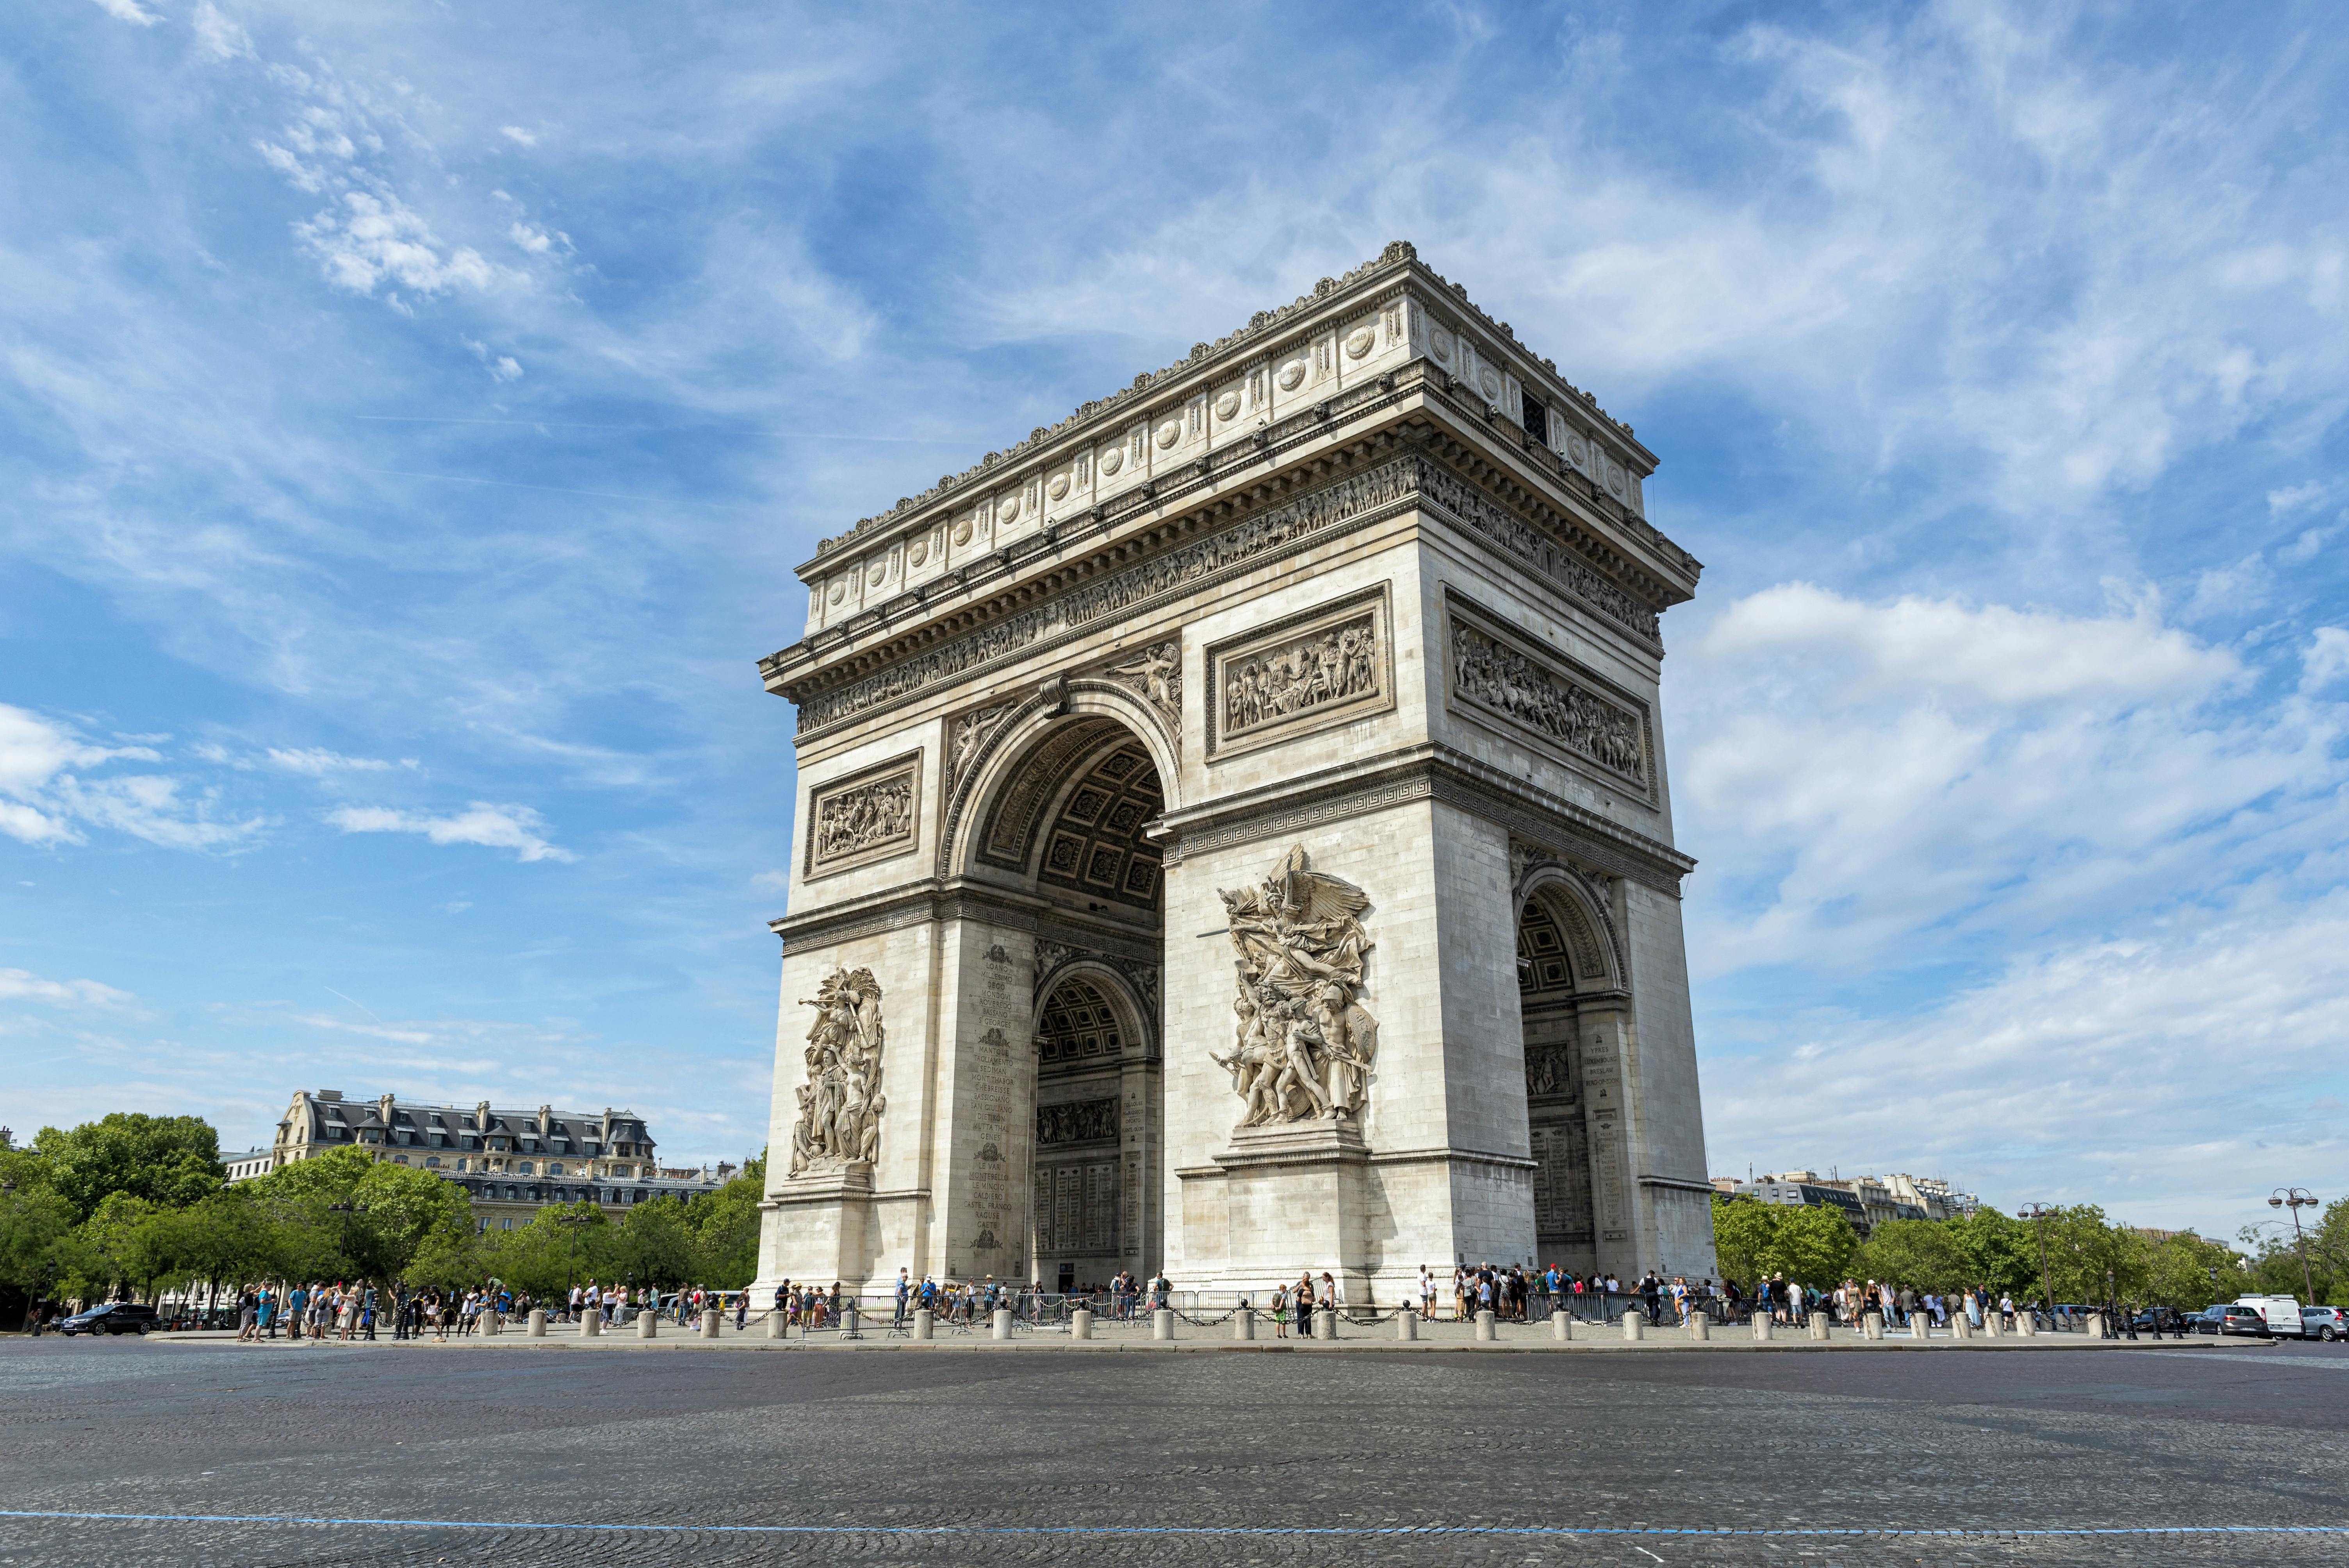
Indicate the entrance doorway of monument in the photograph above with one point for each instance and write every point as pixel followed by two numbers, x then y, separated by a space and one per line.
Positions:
pixel 1571 1006
pixel 1067 826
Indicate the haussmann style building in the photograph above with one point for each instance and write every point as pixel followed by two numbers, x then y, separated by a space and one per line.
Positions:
pixel 1234 835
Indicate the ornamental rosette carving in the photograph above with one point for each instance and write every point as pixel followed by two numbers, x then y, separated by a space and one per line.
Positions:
pixel 1303 1042
pixel 841 1103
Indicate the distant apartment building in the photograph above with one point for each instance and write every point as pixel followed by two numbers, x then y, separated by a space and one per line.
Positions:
pixel 512 1163
pixel 1865 1200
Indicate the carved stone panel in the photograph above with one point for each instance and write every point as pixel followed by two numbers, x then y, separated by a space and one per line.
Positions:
pixel 840 1103
pixel 1500 678
pixel 1328 666
pixel 869 816
pixel 1304 1043
pixel 1077 1121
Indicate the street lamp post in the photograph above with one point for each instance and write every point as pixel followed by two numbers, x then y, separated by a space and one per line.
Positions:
pixel 571 1224
pixel 2296 1199
pixel 2037 1214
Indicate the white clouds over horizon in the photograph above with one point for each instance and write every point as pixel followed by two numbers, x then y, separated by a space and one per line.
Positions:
pixel 515 828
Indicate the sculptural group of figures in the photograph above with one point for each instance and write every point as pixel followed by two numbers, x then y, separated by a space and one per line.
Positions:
pixel 1337 664
pixel 1501 677
pixel 875 814
pixel 841 1103
pixel 1305 1044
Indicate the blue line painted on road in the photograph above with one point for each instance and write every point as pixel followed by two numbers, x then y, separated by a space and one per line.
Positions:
pixel 1248 1530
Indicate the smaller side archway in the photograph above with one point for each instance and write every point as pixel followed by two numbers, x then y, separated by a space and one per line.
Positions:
pixel 1571 997
pixel 1098 1113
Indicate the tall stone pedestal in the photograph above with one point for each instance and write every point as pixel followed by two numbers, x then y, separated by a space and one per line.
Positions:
pixel 825 1230
pixel 1298 1199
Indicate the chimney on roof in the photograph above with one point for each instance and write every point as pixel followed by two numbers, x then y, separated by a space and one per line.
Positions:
pixel 330 1094
pixel 383 1108
pixel 481 1116
pixel 546 1115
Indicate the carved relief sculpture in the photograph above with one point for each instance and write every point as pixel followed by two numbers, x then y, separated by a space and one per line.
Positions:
pixel 840 1103
pixel 1077 1121
pixel 868 818
pixel 1496 677
pixel 1330 666
pixel 1304 1043
pixel 1157 675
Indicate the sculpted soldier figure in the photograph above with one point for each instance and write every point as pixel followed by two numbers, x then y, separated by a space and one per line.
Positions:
pixel 1305 1043
pixel 841 1103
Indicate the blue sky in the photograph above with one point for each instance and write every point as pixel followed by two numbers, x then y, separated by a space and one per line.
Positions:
pixel 410 415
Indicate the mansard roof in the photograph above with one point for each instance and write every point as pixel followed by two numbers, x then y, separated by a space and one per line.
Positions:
pixel 579 1125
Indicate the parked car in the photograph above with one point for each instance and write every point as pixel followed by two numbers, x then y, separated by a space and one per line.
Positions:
pixel 110 1317
pixel 2160 1320
pixel 2281 1312
pixel 2207 1320
pixel 2237 1318
pixel 2325 1323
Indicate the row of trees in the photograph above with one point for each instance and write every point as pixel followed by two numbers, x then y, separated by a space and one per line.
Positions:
pixel 2088 1258
pixel 135 1204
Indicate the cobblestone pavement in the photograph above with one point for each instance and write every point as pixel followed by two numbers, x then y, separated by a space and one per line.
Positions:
pixel 966 1457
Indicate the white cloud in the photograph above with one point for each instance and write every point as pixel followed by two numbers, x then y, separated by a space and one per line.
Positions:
pixel 2232 589
pixel 1857 775
pixel 129 11
pixel 375 239
pixel 219 37
pixel 534 240
pixel 41 797
pixel 2328 659
pixel 515 828
pixel 318 762
pixel 517 134
pixel 2305 547
pixel 23 986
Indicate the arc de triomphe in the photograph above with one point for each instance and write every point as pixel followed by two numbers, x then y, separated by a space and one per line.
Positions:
pixel 1234 835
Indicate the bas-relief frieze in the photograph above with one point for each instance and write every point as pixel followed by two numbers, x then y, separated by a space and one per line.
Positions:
pixel 871 817
pixel 1328 666
pixel 840 1103
pixel 1077 1121
pixel 1495 677
pixel 1280 528
pixel 1305 1044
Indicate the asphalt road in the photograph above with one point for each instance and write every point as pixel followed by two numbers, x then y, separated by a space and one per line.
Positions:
pixel 526 1457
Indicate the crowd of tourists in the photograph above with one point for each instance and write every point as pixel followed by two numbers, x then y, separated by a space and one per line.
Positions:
pixel 1786 1301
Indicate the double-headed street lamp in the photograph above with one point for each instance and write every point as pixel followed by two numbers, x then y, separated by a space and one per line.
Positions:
pixel 2296 1199
pixel 2037 1214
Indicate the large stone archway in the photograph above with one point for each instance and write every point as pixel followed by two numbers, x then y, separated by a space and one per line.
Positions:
pixel 1365 594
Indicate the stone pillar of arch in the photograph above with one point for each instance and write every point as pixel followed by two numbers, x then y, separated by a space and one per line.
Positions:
pixel 1371 593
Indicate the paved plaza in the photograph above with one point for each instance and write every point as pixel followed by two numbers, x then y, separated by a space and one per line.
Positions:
pixel 518 1454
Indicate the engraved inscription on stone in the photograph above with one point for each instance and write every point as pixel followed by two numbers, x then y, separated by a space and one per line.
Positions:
pixel 1305 1045
pixel 840 1103
pixel 1329 667
pixel 868 818
pixel 1077 1121
pixel 1495 677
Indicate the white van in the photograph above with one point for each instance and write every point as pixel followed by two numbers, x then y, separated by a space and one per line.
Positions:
pixel 2280 1313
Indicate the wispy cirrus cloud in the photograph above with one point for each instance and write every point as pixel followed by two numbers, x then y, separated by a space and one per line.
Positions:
pixel 515 828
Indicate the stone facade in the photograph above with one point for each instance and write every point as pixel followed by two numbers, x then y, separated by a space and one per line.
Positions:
pixel 1247 799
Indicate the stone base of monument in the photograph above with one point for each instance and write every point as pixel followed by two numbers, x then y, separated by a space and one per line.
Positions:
pixel 1244 1324
pixel 1700 1327
pixel 1407 1326
pixel 1561 1325
pixel 1819 1325
pixel 1081 1325
pixel 826 1221
pixel 1635 1326
pixel 1485 1332
pixel 1294 1189
pixel 1162 1324
pixel 537 1329
pixel 591 1323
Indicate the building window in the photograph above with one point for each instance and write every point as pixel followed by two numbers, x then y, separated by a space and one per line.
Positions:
pixel 432 1162
pixel 523 1168
pixel 555 1169
pixel 505 1225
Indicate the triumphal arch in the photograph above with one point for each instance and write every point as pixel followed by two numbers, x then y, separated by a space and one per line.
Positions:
pixel 1234 835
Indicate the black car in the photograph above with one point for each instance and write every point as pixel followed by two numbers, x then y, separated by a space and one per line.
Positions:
pixel 111 1317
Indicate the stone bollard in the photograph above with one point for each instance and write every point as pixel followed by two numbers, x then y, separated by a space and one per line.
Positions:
pixel 1325 1324
pixel 1819 1325
pixel 926 1323
pixel 1407 1325
pixel 2095 1326
pixel 1486 1333
pixel 2026 1325
pixel 1162 1324
pixel 849 1318
pixel 1762 1326
pixel 1635 1326
pixel 999 1325
pixel 1081 1325
pixel 648 1323
pixel 1921 1327
pixel 1871 1326
pixel 492 1322
pixel 779 1327
pixel 710 1323
pixel 1700 1327
pixel 591 1323
pixel 1961 1326
pixel 537 1329
pixel 1244 1324
pixel 1990 1329
pixel 1561 1325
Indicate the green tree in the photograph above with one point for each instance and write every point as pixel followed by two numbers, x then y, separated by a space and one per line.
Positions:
pixel 1925 1255
pixel 348 1215
pixel 34 1225
pixel 169 1161
pixel 1810 1244
pixel 725 1226
pixel 653 1246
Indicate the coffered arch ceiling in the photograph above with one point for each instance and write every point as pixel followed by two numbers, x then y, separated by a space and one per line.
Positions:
pixel 1073 818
